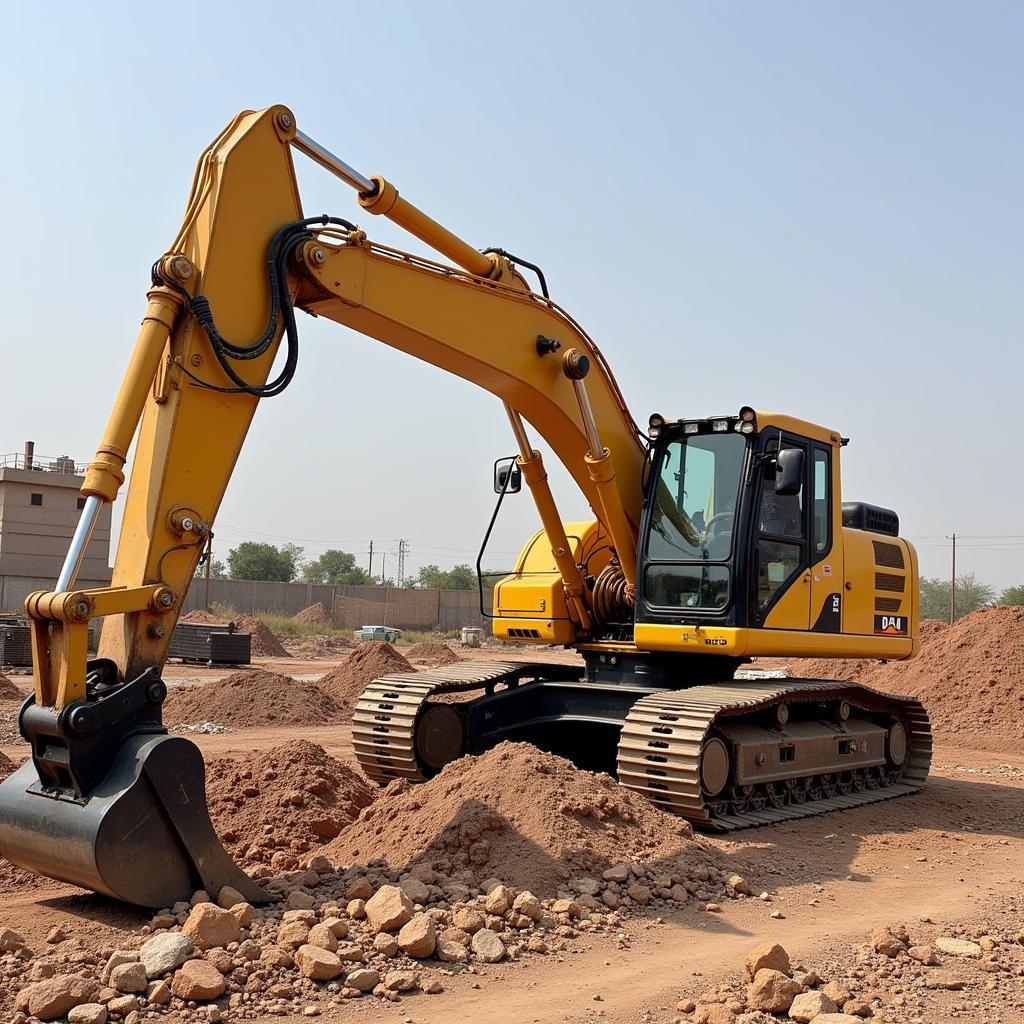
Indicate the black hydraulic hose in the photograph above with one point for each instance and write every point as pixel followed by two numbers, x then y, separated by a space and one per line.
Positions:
pixel 487 537
pixel 524 263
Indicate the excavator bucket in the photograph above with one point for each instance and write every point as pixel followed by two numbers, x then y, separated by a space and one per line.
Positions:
pixel 141 833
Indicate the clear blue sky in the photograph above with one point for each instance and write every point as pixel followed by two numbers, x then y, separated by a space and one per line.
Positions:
pixel 813 207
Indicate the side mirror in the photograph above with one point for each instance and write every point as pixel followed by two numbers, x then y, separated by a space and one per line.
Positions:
pixel 789 472
pixel 508 478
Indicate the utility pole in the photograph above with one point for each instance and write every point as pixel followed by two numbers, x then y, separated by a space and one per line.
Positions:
pixel 403 548
pixel 952 585
pixel 369 568
pixel 209 559
pixel 383 562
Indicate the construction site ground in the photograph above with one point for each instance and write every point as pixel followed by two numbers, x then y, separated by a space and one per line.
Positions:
pixel 946 862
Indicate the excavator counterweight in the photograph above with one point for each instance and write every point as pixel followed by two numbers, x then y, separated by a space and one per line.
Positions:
pixel 712 541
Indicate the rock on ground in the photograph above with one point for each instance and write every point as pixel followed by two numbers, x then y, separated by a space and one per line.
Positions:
pixel 209 926
pixel 809 1005
pixel 198 980
pixel 488 946
pixel 768 955
pixel 772 990
pixel 164 953
pixel 53 997
pixel 388 909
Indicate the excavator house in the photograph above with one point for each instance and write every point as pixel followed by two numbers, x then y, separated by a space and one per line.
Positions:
pixel 711 542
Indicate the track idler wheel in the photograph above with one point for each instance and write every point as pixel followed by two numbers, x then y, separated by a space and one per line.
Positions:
pixel 143 834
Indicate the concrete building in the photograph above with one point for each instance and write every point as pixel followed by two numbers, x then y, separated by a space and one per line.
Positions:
pixel 39 508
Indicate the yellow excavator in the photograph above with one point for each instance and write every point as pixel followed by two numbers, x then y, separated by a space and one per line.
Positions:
pixel 713 541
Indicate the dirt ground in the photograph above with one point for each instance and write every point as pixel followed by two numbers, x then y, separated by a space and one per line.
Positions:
pixel 948 861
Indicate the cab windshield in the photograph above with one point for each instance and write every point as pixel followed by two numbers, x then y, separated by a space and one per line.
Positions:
pixel 693 519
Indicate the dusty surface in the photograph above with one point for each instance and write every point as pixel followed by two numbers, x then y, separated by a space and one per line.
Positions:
pixel 946 863
pixel 367 662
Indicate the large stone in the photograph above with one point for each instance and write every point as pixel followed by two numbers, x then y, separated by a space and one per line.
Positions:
pixel 365 980
pixel 53 997
pixel 293 933
pixel 198 980
pixel 808 1005
pixel 129 978
pixel 958 947
pixel 322 936
pixel 451 952
pixel 713 1013
pixel 158 993
pixel 414 888
pixel 616 873
pixel 10 941
pixel 771 990
pixel 528 905
pixel 401 981
pixel 585 886
pixel 166 952
pixel 418 937
pixel 488 947
pixel 88 1013
pixel 836 1018
pixel 360 889
pixel 121 1006
pixel 768 954
pixel 229 897
pixel 890 940
pixel 388 909
pixel 118 957
pixel 318 964
pixel 209 926
pixel 499 900
pixel 469 919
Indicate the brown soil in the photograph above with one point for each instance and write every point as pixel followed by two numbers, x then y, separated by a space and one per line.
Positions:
pixel 369 660
pixel 8 691
pixel 432 654
pixel 247 699
pixel 970 677
pixel 200 615
pixel 283 802
pixel 6 766
pixel 315 615
pixel 264 643
pixel 318 645
pixel 518 814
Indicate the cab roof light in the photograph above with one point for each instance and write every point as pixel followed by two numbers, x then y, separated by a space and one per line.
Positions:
pixel 719 425
pixel 691 428
pixel 654 425
pixel 747 415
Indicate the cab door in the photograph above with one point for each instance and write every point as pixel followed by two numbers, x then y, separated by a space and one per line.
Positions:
pixel 781 556
pixel 826 549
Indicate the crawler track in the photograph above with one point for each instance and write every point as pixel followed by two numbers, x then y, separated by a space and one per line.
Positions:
pixel 662 740
pixel 664 735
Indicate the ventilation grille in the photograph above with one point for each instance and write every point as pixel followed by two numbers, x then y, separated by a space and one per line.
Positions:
pixel 890 555
pixel 887 604
pixel 888 581
pixel 524 634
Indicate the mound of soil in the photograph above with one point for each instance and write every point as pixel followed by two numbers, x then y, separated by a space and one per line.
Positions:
pixel 264 643
pixel 368 661
pixel 435 655
pixel 200 615
pixel 6 766
pixel 315 615
pixel 248 699
pixel 515 813
pixel 970 677
pixel 8 691
pixel 318 645
pixel 283 802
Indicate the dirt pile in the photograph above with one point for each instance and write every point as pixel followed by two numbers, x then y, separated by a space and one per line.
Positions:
pixel 970 677
pixel 264 643
pixel 368 661
pixel 315 615
pixel 529 818
pixel 8 691
pixel 249 699
pixel 313 646
pixel 6 766
pixel 201 616
pixel 435 655
pixel 283 802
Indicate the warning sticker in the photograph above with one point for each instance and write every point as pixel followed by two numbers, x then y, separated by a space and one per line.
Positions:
pixel 826 570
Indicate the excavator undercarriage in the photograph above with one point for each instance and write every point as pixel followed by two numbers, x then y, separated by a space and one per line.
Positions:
pixel 726 755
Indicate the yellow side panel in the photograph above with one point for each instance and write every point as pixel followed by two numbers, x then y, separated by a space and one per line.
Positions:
pixel 735 642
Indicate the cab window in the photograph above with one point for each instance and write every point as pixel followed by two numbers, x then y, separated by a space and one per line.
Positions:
pixel 822 499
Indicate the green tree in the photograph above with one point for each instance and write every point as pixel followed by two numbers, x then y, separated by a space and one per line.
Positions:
pixel 459 577
pixel 335 568
pixel 1012 595
pixel 970 596
pixel 252 560
pixel 218 570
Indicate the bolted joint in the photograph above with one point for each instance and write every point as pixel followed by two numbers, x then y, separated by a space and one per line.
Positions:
pixel 317 256
pixel 285 120
pixel 575 364
pixel 81 609
pixel 180 268
pixel 547 345
pixel 156 630
pixel 163 599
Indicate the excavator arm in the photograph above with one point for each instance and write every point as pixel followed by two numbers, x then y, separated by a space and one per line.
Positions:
pixel 222 299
